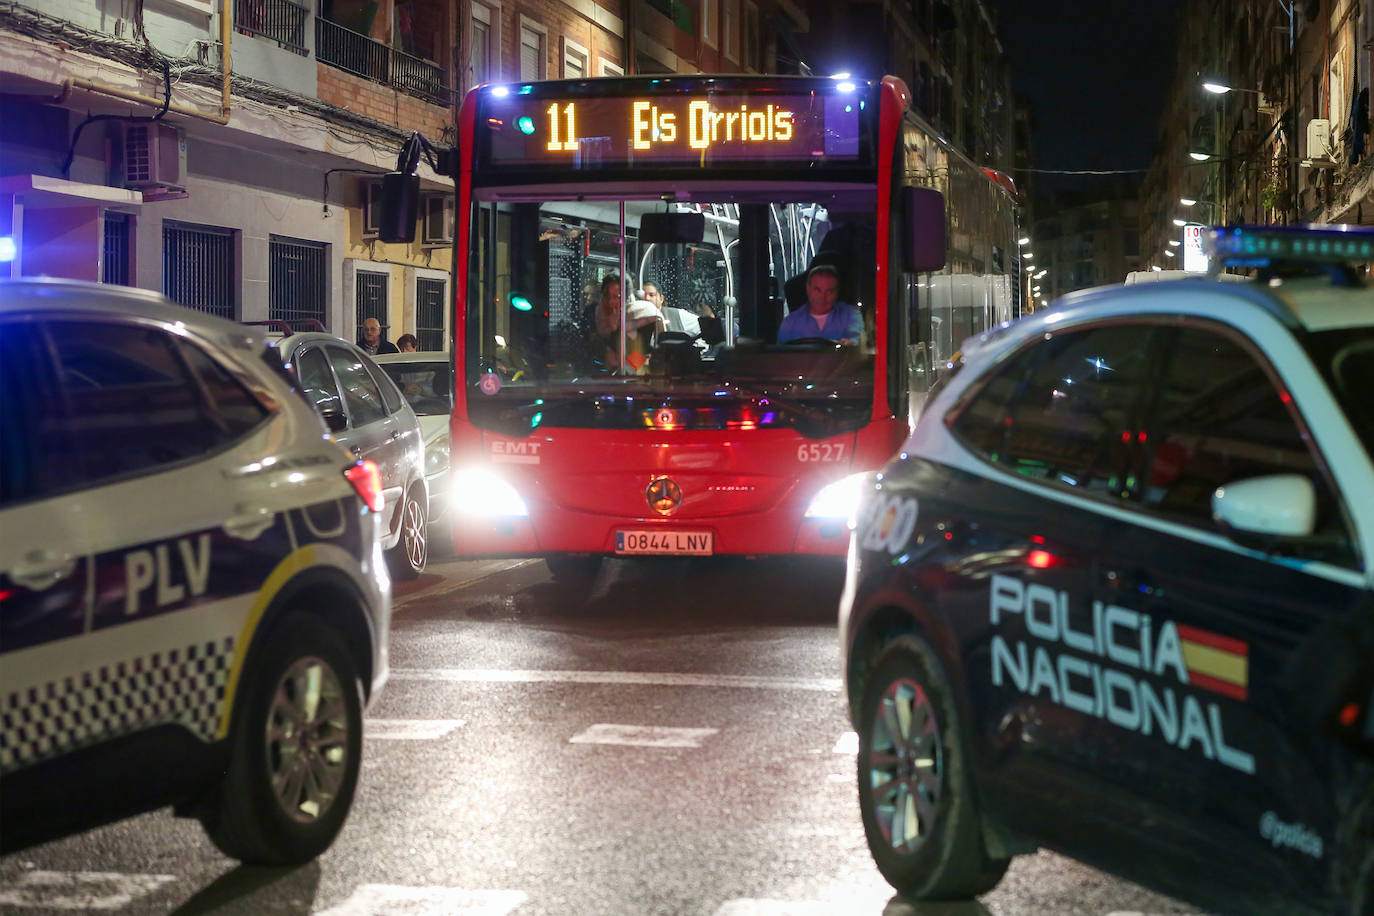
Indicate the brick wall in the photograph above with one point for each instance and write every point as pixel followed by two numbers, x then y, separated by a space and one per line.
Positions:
pixel 381 103
pixel 560 20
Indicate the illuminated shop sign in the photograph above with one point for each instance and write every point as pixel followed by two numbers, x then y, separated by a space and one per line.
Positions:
pixel 598 132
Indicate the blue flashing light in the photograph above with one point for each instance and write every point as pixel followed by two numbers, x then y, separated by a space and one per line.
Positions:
pixel 8 251
pixel 526 90
pixel 520 303
pixel 846 86
pixel 526 124
pixel 500 92
pixel 1257 245
pixel 840 76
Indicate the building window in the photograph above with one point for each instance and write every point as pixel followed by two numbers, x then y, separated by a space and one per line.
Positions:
pixel 708 22
pixel 114 266
pixel 532 56
pixel 371 299
pixel 482 57
pixel 729 30
pixel 429 313
pixel 199 269
pixel 298 281
pixel 610 69
pixel 574 60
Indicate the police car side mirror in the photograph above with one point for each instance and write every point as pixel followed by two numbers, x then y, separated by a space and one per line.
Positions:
pixel 1264 508
pixel 923 214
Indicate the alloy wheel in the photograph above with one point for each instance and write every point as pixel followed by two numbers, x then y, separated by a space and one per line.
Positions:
pixel 307 739
pixel 906 765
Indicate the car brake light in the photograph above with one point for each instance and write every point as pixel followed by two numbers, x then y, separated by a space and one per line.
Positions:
pixel 367 481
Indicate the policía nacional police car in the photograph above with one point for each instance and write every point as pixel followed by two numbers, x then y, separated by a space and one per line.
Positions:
pixel 1116 594
pixel 193 603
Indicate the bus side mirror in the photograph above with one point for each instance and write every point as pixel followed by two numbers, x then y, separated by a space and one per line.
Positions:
pixel 400 207
pixel 923 212
pixel 672 228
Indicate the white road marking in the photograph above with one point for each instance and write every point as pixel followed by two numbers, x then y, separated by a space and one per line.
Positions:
pixel 848 744
pixel 640 678
pixel 643 735
pixel 80 890
pixel 398 900
pixel 745 906
pixel 410 729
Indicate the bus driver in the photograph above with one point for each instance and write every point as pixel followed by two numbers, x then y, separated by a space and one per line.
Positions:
pixel 824 315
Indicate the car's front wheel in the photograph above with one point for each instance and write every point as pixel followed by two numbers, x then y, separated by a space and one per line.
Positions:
pixel 916 792
pixel 411 553
pixel 295 749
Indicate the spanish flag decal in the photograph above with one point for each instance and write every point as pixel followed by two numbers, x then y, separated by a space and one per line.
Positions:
pixel 1215 662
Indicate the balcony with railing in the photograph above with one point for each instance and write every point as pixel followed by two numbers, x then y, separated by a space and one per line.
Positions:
pixel 282 21
pixel 357 54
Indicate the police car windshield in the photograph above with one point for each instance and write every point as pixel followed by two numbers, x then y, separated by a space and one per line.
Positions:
pixel 1346 359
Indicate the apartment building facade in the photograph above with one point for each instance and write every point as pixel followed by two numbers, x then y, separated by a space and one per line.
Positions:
pixel 1288 143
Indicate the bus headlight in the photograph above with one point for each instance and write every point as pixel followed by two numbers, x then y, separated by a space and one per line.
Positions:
pixel 838 500
pixel 478 492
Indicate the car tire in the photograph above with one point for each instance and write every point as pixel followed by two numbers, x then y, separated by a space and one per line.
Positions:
pixel 573 569
pixel 916 792
pixel 411 553
pixel 295 749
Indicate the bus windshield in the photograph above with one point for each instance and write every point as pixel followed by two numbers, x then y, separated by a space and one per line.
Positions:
pixel 573 320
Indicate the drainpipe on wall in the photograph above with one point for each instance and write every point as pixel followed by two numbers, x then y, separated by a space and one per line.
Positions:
pixel 628 16
pixel 225 30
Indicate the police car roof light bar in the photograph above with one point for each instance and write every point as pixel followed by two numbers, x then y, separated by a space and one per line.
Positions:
pixel 1260 246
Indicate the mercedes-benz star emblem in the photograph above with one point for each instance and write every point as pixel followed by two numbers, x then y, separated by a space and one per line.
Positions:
pixel 664 495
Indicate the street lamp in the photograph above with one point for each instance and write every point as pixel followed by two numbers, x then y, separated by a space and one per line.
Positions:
pixel 1169 253
pixel 1180 223
pixel 1223 88
pixel 1174 243
pixel 1023 241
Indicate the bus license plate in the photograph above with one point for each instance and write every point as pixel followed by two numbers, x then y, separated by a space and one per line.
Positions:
pixel 670 543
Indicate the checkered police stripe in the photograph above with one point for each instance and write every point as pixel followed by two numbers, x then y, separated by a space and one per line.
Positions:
pixel 185 686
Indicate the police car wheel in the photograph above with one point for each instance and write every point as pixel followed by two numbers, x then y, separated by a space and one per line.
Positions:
pixel 571 569
pixel 295 752
pixel 915 792
pixel 411 553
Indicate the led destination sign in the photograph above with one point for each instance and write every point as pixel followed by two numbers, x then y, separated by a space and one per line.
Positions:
pixel 592 132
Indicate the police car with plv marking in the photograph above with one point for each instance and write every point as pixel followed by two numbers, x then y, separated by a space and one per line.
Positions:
pixel 1115 596
pixel 193 602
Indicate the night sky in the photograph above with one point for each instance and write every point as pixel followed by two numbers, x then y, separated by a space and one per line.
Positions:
pixel 1096 75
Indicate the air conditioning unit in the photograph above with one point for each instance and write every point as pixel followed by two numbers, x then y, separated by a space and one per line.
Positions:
pixel 438 220
pixel 154 156
pixel 1319 144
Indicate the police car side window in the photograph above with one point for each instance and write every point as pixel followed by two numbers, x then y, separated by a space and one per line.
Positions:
pixel 35 451
pixel 1221 419
pixel 361 394
pixel 1058 411
pixel 230 404
pixel 130 405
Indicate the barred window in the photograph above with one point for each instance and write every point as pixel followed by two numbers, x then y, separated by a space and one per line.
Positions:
pixel 429 313
pixel 371 298
pixel 198 268
pixel 298 281
pixel 114 267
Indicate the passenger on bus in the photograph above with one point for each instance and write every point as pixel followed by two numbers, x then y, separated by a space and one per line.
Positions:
pixel 824 314
pixel 606 333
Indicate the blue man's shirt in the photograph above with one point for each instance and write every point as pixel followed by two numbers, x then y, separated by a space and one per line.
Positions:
pixel 841 322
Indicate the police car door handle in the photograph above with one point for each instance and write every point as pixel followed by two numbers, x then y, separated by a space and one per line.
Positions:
pixel 248 522
pixel 40 569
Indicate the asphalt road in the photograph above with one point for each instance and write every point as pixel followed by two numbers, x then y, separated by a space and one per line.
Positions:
pixel 671 740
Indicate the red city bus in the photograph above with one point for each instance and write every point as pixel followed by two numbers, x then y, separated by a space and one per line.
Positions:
pixel 593 418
